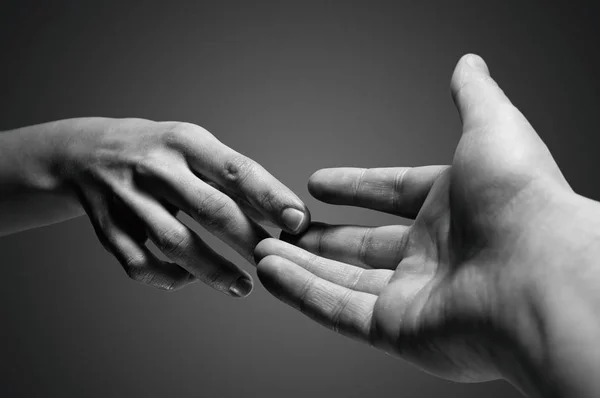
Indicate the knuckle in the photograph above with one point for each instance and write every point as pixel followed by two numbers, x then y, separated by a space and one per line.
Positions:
pixel 147 277
pixel 306 292
pixel 312 262
pixel 149 164
pixel 136 270
pixel 214 277
pixel 339 310
pixel 173 242
pixel 358 185
pixel 267 199
pixel 177 133
pixel 237 169
pixel 403 243
pixel 172 136
pixel 399 180
pixel 320 240
pixel 214 212
pixel 398 189
pixel 365 245
pixel 356 277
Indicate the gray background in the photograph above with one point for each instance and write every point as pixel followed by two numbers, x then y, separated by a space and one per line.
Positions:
pixel 296 86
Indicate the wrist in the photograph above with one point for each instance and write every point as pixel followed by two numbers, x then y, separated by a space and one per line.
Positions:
pixel 555 323
pixel 27 155
pixel 33 188
pixel 50 155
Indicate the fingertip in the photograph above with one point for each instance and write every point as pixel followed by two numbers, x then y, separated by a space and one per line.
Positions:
pixel 294 220
pixel 263 249
pixel 475 62
pixel 242 287
pixel 267 270
pixel 300 240
pixel 270 261
pixel 316 182
pixel 465 68
pixel 473 87
pixel 319 173
pixel 271 267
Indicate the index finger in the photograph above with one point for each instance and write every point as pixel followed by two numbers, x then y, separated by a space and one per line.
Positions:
pixel 396 190
pixel 247 179
pixel 380 247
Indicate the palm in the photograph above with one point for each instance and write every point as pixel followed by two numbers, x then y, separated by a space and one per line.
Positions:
pixel 422 291
pixel 446 277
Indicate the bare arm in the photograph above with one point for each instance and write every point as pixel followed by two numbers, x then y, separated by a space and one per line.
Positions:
pixel 497 277
pixel 30 194
pixel 131 177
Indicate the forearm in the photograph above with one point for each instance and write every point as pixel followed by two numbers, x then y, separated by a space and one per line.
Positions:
pixel 31 195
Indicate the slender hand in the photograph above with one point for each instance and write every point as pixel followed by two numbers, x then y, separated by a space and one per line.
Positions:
pixel 482 285
pixel 132 176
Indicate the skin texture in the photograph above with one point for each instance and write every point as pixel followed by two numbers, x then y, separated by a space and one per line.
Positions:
pixel 131 177
pixel 491 277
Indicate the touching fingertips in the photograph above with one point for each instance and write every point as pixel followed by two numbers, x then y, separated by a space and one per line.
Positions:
pixel 263 249
pixel 289 238
pixel 294 219
pixel 267 272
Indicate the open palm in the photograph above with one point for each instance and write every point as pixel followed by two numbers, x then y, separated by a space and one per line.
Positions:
pixel 445 293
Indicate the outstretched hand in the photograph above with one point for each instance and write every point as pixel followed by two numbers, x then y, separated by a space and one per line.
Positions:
pixel 131 177
pixel 451 292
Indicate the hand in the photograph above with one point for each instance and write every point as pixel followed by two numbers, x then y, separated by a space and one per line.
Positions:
pixel 458 291
pixel 132 176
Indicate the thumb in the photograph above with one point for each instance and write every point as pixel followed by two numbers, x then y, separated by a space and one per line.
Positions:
pixel 495 132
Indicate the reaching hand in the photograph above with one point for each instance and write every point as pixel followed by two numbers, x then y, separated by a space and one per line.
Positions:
pixel 452 292
pixel 132 176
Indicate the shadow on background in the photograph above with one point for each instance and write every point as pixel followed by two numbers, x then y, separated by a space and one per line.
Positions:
pixel 297 87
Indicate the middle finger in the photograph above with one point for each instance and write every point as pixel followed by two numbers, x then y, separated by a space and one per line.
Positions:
pixel 216 212
pixel 380 247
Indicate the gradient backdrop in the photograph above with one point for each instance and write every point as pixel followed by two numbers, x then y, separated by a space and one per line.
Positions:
pixel 297 87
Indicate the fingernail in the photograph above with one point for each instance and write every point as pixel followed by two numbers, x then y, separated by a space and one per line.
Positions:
pixel 292 219
pixel 241 287
pixel 476 62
